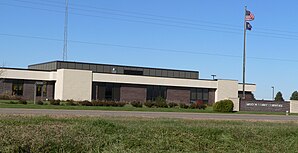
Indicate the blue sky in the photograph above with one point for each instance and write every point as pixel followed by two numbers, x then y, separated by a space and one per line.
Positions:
pixel 203 35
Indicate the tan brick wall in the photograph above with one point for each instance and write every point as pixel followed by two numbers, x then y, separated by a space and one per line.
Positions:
pixel 294 106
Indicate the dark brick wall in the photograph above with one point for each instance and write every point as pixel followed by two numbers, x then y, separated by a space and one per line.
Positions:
pixel 264 106
pixel 178 95
pixel 211 100
pixel 5 87
pixel 28 90
pixel 130 93
pixel 50 90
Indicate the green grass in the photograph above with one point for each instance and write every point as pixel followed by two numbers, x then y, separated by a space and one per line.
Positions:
pixel 91 134
pixel 30 105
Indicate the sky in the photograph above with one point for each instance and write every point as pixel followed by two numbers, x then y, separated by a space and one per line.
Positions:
pixel 200 35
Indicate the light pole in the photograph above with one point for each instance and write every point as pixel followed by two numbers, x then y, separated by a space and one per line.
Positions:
pixel 272 92
pixel 213 76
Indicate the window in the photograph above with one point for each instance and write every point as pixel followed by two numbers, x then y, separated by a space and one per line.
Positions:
pixel 106 91
pixel 156 91
pixel 17 88
pixel 38 90
pixel 109 92
pixel 41 90
pixel 133 72
pixel 199 94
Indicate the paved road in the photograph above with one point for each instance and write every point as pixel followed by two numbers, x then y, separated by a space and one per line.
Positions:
pixel 197 116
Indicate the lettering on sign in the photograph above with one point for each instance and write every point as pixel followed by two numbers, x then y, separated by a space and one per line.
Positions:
pixel 263 105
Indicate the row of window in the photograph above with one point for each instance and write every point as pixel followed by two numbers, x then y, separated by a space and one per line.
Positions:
pixel 128 70
pixel 111 91
pixel 18 89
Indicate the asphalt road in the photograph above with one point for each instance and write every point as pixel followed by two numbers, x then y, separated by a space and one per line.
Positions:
pixel 100 113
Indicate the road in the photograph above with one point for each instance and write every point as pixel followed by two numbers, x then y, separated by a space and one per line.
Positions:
pixel 101 113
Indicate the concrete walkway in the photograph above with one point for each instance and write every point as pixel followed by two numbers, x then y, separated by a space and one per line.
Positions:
pixel 196 116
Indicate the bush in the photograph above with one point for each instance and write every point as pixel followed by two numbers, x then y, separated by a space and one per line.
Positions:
pixel 161 102
pixel 13 102
pixel 71 102
pixel 121 104
pixel 22 101
pixel 198 106
pixel 136 104
pixel 39 102
pixel 182 105
pixel 9 97
pixel 108 103
pixel 223 106
pixel 55 102
pixel 172 104
pixel 85 103
pixel 149 104
pixel 5 97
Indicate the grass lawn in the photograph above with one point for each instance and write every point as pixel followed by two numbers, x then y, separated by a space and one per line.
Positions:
pixel 30 105
pixel 6 104
pixel 91 134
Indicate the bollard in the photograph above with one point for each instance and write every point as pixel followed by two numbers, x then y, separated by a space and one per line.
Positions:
pixel 287 113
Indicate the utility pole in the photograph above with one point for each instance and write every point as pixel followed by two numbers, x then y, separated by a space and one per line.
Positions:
pixel 65 31
pixel 272 92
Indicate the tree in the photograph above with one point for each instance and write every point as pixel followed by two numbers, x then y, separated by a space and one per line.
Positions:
pixel 279 97
pixel 294 95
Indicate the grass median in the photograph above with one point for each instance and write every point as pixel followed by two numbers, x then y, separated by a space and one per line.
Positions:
pixel 92 134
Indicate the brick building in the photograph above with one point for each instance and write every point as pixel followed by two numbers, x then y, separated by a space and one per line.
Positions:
pixel 88 81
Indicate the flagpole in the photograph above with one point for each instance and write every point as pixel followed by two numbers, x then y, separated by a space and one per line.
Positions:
pixel 244 54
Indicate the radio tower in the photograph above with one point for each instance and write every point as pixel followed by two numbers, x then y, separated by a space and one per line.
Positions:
pixel 65 31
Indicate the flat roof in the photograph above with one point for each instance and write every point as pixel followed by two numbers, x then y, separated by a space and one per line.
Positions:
pixel 117 69
pixel 58 61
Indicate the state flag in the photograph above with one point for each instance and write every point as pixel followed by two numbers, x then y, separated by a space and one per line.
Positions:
pixel 248 26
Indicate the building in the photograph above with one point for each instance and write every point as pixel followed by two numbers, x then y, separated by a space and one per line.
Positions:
pixel 88 81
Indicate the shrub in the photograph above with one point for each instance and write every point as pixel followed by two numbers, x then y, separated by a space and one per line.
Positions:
pixel 9 97
pixel 55 102
pixel 172 104
pixel 13 102
pixel 161 104
pixel 149 104
pixel 22 101
pixel 5 97
pixel 182 105
pixel 108 103
pixel 39 102
pixel 198 106
pixel 85 103
pixel 223 106
pixel 71 102
pixel 136 104
pixel 121 104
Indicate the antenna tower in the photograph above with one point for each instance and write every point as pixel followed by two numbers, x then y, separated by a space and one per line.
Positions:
pixel 65 31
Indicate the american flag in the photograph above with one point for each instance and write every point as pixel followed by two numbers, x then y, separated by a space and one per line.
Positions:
pixel 249 16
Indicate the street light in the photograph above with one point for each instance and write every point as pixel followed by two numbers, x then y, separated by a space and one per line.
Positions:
pixel 213 76
pixel 272 92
